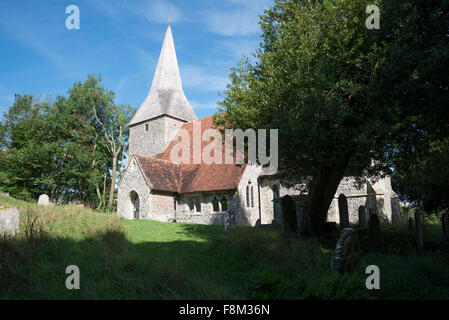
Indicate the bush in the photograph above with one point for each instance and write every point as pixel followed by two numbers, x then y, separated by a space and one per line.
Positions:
pixel 268 285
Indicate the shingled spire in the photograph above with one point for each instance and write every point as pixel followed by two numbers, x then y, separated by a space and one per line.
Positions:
pixel 166 95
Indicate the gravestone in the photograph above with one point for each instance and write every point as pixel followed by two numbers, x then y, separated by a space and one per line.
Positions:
pixel 4 194
pixel 347 253
pixel 362 217
pixel 418 229
pixel 43 200
pixel 229 220
pixel 289 220
pixel 445 223
pixel 9 220
pixel 301 203
pixel 410 224
pixel 374 230
pixel 343 211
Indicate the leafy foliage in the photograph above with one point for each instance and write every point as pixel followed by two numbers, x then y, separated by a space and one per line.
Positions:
pixel 59 147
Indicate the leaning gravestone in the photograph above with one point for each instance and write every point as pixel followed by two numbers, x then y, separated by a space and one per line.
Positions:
pixel 9 220
pixel 347 252
pixel 43 200
pixel 374 230
pixel 445 223
pixel 362 217
pixel 290 222
pixel 343 210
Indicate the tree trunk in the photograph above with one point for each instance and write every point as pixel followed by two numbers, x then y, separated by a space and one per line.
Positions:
pixel 100 202
pixel 324 187
pixel 113 177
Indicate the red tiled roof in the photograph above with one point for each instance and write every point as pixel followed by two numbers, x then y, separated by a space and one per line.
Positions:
pixel 160 174
pixel 164 175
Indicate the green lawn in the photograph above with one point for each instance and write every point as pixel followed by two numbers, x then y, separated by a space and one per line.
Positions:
pixel 121 259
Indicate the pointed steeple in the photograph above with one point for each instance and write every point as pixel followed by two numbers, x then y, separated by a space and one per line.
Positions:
pixel 166 95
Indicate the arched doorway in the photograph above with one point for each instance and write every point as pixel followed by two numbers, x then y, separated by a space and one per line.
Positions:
pixel 135 204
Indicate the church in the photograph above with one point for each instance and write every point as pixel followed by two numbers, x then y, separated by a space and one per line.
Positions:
pixel 155 187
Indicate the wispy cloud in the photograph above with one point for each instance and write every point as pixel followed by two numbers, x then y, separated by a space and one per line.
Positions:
pixel 241 47
pixel 160 11
pixel 236 17
pixel 208 105
pixel 24 30
pixel 196 77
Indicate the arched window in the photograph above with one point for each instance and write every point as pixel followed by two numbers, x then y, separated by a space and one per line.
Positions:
pixel 247 197
pixel 275 191
pixel 224 204
pixel 197 205
pixel 252 196
pixel 191 204
pixel 215 205
pixel 135 204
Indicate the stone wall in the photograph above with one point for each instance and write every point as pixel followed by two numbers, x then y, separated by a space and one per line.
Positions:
pixel 133 180
pixel 161 131
pixel 247 216
pixel 207 214
pixel 378 197
pixel 162 206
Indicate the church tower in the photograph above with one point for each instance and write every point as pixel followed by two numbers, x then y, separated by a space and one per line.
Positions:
pixel 164 110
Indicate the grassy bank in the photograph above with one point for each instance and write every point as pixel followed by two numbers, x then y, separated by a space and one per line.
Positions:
pixel 121 259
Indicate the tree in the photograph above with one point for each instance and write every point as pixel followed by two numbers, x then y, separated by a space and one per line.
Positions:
pixel 311 80
pixel 115 133
pixel 414 81
pixel 340 94
pixel 64 148
pixel 26 156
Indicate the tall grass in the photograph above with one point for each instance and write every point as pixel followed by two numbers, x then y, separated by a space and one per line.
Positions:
pixel 122 259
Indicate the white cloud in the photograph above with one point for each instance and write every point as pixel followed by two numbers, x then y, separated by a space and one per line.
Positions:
pixel 236 17
pixel 210 105
pixel 161 11
pixel 196 77
pixel 240 47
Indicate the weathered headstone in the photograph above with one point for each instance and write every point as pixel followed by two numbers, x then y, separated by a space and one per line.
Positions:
pixel 418 229
pixel 362 217
pixel 231 219
pixel 43 200
pixel 305 228
pixel 410 224
pixel 4 194
pixel 405 210
pixel 9 220
pixel 290 222
pixel 347 253
pixel 445 223
pixel 374 230
pixel 343 211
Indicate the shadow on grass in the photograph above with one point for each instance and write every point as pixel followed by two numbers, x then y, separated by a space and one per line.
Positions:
pixel 111 267
pixel 239 264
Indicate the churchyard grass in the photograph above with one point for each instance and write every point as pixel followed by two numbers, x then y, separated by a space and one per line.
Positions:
pixel 121 259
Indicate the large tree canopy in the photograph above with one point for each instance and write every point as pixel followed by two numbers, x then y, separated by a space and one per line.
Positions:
pixel 64 148
pixel 320 77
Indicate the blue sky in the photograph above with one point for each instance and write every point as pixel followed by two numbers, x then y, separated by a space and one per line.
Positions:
pixel 121 41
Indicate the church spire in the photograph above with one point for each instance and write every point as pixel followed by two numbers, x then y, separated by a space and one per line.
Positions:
pixel 166 95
